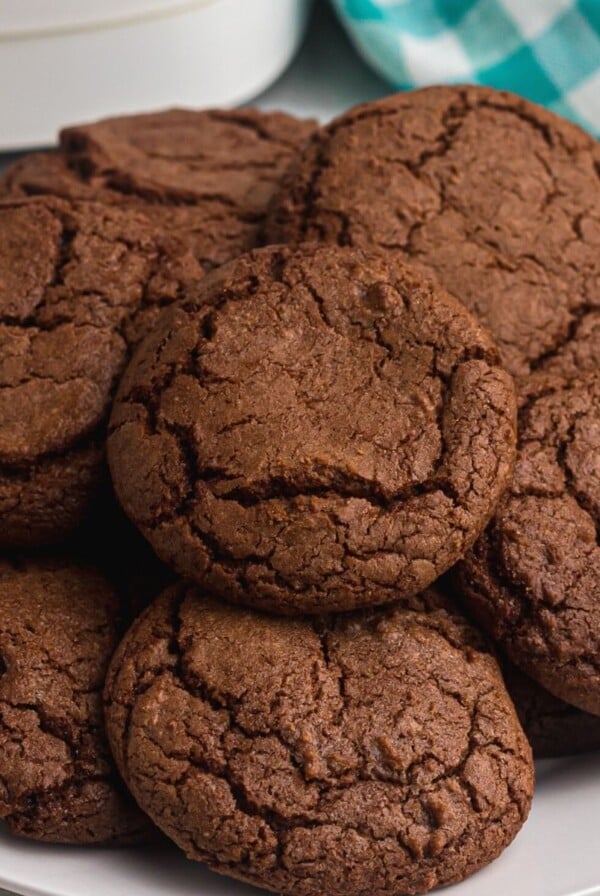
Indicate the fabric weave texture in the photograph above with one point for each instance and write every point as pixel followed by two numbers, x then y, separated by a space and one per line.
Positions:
pixel 545 50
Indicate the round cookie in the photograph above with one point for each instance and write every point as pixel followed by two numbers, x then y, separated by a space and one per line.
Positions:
pixel 206 176
pixel 313 430
pixel 553 727
pixel 533 578
pixel 57 633
pixel 376 752
pixel 499 197
pixel 80 284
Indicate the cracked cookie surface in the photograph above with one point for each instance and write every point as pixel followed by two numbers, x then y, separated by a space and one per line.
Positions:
pixel 313 430
pixel 57 779
pixel 375 752
pixel 499 197
pixel 80 284
pixel 553 727
pixel 206 176
pixel 533 578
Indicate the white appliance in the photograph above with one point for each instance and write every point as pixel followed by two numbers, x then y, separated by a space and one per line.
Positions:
pixel 76 60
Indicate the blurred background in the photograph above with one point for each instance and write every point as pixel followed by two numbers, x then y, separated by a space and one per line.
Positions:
pixel 78 60
pixel 319 75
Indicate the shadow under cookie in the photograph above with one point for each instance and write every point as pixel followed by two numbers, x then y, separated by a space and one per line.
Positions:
pixel 553 728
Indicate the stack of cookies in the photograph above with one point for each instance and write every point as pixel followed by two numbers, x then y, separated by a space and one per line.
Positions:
pixel 343 383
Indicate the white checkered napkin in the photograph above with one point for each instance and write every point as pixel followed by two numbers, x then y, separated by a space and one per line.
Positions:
pixel 546 50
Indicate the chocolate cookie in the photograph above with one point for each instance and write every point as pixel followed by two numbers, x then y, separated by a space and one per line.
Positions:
pixel 48 174
pixel 57 634
pixel 553 727
pixel 314 430
pixel 533 578
pixel 376 752
pixel 80 284
pixel 207 176
pixel 500 197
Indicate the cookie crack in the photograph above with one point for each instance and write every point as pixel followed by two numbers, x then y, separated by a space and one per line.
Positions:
pixel 578 496
pixel 339 485
pixel 65 256
pixel 317 482
pixel 577 318
pixel 452 122
pixel 24 471
pixel 31 801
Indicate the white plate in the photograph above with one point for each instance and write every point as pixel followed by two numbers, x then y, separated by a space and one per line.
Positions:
pixel 556 854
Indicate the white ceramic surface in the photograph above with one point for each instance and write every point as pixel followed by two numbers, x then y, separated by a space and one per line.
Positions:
pixel 556 854
pixel 19 18
pixel 135 56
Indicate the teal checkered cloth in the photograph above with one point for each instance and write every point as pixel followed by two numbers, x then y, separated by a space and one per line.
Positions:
pixel 546 50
